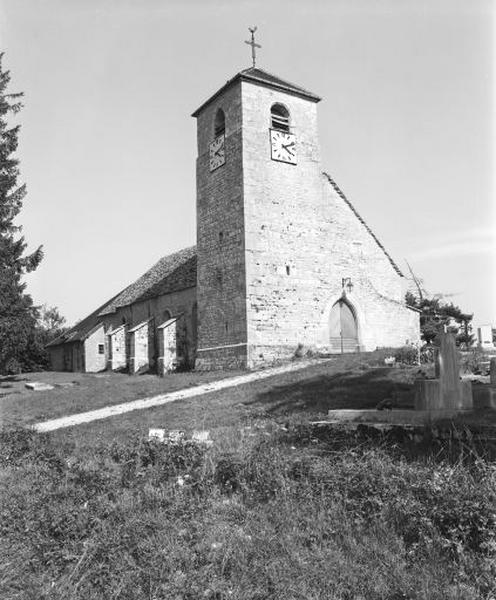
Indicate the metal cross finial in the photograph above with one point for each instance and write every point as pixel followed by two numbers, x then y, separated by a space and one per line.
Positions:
pixel 253 44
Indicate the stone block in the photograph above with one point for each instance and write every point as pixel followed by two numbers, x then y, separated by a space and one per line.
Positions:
pixel 396 417
pixel 39 386
pixel 202 438
pixel 467 402
pixel 446 392
pixel 176 436
pixel 492 371
pixel 427 394
pixel 430 394
pixel 156 434
pixel 484 397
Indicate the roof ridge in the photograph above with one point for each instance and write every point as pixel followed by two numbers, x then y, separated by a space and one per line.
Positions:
pixel 269 80
pixel 150 279
pixel 285 81
pixel 363 222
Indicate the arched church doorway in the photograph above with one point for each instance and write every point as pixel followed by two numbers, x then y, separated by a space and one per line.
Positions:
pixel 343 328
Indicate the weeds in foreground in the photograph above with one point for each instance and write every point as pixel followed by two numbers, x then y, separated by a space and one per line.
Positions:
pixel 264 519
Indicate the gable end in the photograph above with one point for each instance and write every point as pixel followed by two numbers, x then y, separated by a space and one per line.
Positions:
pixel 362 221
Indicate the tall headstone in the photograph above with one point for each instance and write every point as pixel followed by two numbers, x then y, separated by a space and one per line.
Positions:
pixel 447 393
pixel 492 371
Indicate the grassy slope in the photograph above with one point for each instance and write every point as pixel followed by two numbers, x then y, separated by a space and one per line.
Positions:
pixel 20 406
pixel 305 394
pixel 96 511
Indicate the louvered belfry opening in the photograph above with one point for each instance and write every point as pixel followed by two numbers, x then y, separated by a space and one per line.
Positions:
pixel 220 123
pixel 279 117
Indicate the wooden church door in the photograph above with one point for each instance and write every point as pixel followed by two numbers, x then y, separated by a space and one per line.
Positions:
pixel 343 330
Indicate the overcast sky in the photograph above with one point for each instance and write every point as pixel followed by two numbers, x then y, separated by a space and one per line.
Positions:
pixel 108 146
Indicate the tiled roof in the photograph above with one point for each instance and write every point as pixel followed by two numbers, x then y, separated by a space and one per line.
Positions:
pixel 266 78
pixel 170 274
pixel 341 195
pixel 82 329
pixel 261 77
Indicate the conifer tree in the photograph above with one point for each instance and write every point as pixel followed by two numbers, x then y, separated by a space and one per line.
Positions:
pixel 17 314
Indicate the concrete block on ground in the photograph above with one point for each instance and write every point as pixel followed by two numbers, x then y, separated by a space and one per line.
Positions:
pixel 176 436
pixel 467 402
pixel 398 417
pixel 155 433
pixel 484 397
pixel 202 437
pixel 432 394
pixel 39 386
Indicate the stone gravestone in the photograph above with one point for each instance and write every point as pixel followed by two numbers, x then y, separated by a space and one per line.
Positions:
pixel 485 395
pixel 492 371
pixel 447 394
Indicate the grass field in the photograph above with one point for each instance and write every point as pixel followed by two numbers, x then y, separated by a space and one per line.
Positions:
pixel 308 394
pixel 19 406
pixel 269 512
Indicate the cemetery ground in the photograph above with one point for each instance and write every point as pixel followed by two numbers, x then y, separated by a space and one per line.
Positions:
pixel 272 509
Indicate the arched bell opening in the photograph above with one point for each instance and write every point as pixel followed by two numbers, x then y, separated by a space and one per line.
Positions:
pixel 343 327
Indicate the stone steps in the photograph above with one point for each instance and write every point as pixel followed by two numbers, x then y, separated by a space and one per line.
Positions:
pixel 348 345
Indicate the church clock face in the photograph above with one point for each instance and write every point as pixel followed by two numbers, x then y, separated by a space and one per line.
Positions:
pixel 283 146
pixel 217 152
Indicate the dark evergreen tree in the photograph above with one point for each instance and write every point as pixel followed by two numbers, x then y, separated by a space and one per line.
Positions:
pixel 17 314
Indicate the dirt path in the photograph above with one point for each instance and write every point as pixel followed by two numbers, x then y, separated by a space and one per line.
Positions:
pixel 119 409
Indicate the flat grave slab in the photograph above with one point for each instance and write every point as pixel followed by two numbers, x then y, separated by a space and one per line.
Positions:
pixel 394 416
pixel 38 386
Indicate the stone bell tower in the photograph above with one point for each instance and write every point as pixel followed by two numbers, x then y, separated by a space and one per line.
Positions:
pixel 259 200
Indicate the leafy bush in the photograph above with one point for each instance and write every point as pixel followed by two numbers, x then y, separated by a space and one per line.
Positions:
pixel 266 521
pixel 406 355
pixel 428 354
pixel 475 361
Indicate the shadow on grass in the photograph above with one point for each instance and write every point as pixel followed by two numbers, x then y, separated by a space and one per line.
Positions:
pixel 350 389
pixel 14 378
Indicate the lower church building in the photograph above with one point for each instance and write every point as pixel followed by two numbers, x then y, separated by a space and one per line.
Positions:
pixel 282 259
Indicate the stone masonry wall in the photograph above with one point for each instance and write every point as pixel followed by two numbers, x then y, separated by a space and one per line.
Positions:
pixel 283 213
pixel 220 240
pixel 93 360
pixel 139 348
pixel 178 303
pixel 378 295
pixel 117 349
pixel 301 240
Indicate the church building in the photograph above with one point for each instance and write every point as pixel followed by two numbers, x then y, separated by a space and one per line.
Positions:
pixel 282 258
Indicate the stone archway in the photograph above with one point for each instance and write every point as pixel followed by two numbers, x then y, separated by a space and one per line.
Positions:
pixel 343 328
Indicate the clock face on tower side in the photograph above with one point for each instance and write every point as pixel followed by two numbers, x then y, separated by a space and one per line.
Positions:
pixel 217 152
pixel 283 146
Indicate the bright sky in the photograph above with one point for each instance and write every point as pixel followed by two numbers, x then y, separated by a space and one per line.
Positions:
pixel 108 146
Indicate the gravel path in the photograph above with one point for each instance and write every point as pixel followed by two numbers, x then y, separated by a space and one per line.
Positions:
pixel 119 409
